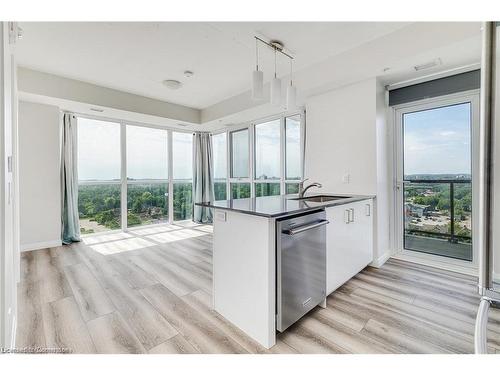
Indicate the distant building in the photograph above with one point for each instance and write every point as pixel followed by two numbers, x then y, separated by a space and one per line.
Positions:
pixel 417 210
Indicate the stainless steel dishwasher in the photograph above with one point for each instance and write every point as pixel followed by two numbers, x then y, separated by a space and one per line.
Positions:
pixel 301 266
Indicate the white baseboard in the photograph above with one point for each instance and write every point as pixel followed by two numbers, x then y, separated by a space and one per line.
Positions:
pixel 40 245
pixel 379 262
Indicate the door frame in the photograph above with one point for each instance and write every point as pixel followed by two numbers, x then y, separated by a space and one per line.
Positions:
pixel 471 96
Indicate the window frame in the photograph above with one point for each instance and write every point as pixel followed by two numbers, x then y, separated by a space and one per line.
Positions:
pixel 222 180
pixel 251 139
pixel 398 111
pixel 123 181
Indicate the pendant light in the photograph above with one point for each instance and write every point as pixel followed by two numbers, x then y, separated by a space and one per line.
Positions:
pixel 291 92
pixel 257 77
pixel 275 85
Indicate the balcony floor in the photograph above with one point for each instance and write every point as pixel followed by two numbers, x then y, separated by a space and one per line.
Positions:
pixel 438 246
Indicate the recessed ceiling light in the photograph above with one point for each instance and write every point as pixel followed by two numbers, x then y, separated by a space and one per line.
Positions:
pixel 188 73
pixel 428 65
pixel 172 84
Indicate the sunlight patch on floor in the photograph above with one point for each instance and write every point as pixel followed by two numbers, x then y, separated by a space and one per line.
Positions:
pixel 175 236
pixel 121 246
pixel 206 228
pixel 154 230
pixel 187 223
pixel 99 238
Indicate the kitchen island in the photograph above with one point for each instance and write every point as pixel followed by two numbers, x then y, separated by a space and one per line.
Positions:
pixel 245 252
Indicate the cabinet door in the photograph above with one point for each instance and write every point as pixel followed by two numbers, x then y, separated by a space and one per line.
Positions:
pixel 363 224
pixel 349 242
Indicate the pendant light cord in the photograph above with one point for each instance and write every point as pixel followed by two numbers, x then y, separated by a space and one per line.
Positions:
pixel 257 54
pixel 275 57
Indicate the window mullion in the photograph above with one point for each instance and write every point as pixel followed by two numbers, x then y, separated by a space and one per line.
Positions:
pixel 282 155
pixel 170 202
pixel 251 139
pixel 123 153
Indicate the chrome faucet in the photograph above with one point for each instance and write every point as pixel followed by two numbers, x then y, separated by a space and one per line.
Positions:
pixel 302 189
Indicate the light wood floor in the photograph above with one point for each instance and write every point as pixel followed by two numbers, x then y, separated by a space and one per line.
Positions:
pixel 149 291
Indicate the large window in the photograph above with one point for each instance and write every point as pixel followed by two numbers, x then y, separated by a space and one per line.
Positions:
pixel 128 176
pixel 292 148
pixel 219 143
pixel 131 175
pixel 147 176
pixel 99 170
pixel 239 154
pixel 182 160
pixel 267 151
pixel 265 159
pixel 240 190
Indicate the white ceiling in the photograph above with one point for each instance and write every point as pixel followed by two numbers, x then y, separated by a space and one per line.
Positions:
pixel 137 57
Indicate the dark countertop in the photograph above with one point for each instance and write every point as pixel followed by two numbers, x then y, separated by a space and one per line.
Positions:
pixel 281 205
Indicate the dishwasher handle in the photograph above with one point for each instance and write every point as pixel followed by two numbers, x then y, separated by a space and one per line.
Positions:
pixel 303 228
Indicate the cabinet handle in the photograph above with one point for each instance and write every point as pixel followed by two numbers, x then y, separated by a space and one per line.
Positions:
pixel 351 210
pixel 347 216
pixel 368 210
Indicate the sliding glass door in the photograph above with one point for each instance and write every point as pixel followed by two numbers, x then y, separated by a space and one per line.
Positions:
pixel 435 177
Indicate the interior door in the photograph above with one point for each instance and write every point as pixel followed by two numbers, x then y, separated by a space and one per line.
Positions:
pixel 435 206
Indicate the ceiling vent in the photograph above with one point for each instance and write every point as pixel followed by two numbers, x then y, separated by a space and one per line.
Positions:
pixel 428 65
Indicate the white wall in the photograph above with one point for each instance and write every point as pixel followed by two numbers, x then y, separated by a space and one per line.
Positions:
pixel 340 139
pixel 347 133
pixel 40 196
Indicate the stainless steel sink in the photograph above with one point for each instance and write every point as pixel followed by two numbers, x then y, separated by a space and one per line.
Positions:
pixel 320 198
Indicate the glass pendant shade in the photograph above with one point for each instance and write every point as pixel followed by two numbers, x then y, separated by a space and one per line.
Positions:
pixel 276 91
pixel 257 85
pixel 291 97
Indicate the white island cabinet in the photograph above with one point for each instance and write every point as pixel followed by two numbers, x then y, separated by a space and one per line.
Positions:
pixel 349 241
pixel 245 254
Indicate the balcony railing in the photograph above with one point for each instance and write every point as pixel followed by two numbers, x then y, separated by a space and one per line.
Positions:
pixel 439 209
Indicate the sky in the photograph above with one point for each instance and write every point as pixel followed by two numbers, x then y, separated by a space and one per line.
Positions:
pixel 438 141
pixel 99 151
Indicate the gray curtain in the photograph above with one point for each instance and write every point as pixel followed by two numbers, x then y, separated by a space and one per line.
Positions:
pixel 69 181
pixel 203 187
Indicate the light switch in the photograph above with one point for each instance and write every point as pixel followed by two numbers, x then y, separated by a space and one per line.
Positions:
pixel 346 178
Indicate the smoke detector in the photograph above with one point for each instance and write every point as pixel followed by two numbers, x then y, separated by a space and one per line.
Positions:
pixel 172 84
